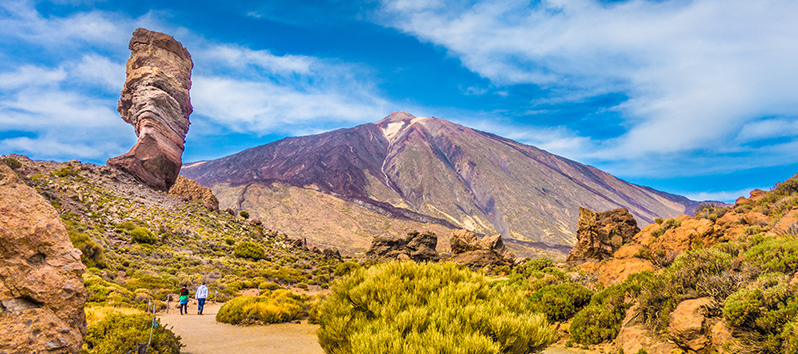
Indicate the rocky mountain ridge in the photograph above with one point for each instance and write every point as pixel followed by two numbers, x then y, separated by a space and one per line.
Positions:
pixel 431 171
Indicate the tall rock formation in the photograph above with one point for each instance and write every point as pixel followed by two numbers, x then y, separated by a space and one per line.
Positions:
pixel 41 290
pixel 599 235
pixel 155 100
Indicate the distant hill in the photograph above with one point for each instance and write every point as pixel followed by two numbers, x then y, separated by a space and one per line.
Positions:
pixel 341 188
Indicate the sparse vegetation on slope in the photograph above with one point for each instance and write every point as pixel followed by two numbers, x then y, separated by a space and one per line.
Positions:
pixel 140 245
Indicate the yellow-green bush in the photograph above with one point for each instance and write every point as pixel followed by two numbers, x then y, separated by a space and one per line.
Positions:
pixel 561 301
pixel 143 235
pixel 12 162
pixel 276 306
pixel 601 320
pixel 249 250
pixel 119 333
pixel 428 308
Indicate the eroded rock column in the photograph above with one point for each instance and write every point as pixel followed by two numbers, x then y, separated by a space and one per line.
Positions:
pixel 155 100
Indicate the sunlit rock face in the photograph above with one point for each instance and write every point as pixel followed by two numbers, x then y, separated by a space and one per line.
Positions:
pixel 41 290
pixel 155 100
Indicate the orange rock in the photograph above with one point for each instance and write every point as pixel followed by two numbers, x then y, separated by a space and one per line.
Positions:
pixel 722 339
pixel 616 271
pixel 756 219
pixel 757 194
pixel 627 251
pixel 687 323
pixel 729 219
pixel 634 336
pixel 41 290
pixel 789 219
pixel 690 234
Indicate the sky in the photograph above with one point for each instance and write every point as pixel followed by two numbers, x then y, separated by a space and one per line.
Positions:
pixel 698 98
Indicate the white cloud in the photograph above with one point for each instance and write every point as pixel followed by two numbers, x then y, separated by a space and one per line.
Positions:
pixel 65 104
pixel 696 72
pixel 240 57
pixel 263 107
pixel 723 196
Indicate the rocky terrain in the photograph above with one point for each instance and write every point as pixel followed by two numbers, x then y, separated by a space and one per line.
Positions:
pixel 722 281
pixel 421 172
pixel 41 289
pixel 155 100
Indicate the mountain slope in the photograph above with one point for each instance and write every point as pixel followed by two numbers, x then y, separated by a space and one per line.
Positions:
pixel 430 170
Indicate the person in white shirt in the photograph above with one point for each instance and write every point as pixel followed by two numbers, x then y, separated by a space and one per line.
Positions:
pixel 201 295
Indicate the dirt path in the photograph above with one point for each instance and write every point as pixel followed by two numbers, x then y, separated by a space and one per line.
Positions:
pixel 202 334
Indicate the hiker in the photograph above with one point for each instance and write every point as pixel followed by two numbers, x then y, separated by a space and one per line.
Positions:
pixel 201 295
pixel 184 300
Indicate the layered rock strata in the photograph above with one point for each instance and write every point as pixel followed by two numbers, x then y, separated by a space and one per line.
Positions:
pixel 41 290
pixel 155 100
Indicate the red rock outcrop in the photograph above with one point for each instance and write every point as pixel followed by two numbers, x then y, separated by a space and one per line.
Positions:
pixel 474 253
pixel 188 188
pixel 599 235
pixel 155 100
pixel 41 290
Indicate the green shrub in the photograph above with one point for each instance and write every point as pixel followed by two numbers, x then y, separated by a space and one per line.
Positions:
pixel 127 225
pixel 601 320
pixel 12 162
pixel 249 250
pixel 271 307
pixel 244 214
pixel 658 221
pixel 143 235
pixel 91 252
pixel 710 211
pixel 775 255
pixel 67 171
pixel 229 241
pixel 560 302
pixel 404 307
pixel 671 224
pixel 119 333
pixel 345 268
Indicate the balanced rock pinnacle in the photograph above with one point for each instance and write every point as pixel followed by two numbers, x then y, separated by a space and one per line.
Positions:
pixel 155 100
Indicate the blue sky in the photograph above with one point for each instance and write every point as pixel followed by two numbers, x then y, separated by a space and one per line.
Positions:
pixel 698 98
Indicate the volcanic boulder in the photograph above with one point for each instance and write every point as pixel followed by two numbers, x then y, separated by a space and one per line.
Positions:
pixel 188 188
pixel 419 247
pixel 155 100
pixel 41 290
pixel 599 235
pixel 468 250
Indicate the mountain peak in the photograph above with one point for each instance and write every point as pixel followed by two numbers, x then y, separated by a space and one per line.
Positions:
pixel 396 117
